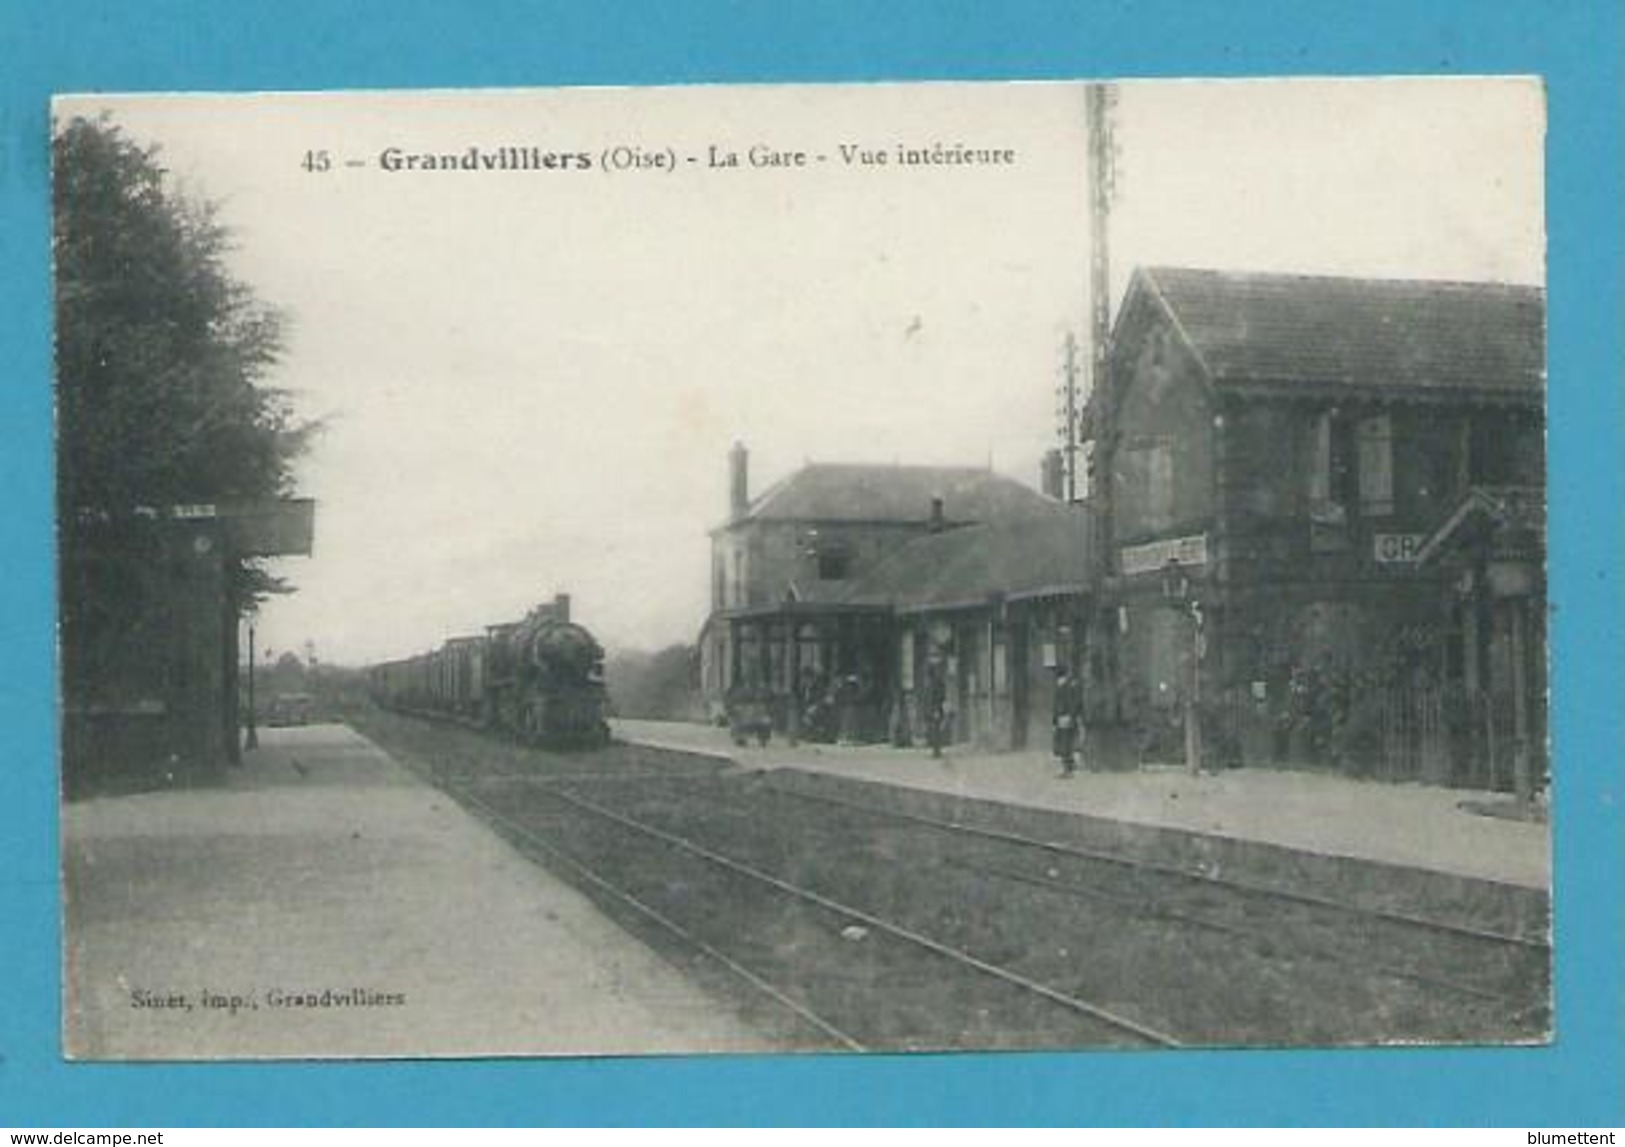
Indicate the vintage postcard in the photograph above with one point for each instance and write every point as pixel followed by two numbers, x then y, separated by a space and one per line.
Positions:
pixel 839 568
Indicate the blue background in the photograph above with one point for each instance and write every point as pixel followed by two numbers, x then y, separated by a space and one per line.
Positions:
pixel 79 45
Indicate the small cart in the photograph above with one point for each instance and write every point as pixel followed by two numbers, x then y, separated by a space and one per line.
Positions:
pixel 750 714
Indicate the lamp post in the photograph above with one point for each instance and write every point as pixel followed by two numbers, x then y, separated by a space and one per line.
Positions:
pixel 1176 588
pixel 1512 583
pixel 251 739
pixel 1193 694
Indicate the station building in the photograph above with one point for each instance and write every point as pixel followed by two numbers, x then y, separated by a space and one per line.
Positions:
pixel 1321 515
pixel 150 651
pixel 1315 525
pixel 1000 606
pixel 848 577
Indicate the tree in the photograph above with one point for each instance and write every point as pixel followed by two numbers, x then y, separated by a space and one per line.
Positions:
pixel 661 686
pixel 161 353
pixel 162 361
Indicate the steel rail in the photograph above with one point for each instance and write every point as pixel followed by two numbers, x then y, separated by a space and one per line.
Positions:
pixel 1261 890
pixel 1141 908
pixel 607 779
pixel 1073 1003
pixel 535 840
pixel 1315 951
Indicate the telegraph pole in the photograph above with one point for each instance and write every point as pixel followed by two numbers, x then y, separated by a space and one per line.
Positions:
pixel 1069 417
pixel 1080 403
pixel 1099 99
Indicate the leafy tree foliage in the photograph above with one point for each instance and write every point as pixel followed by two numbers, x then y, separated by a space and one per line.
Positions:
pixel 162 355
pixel 657 686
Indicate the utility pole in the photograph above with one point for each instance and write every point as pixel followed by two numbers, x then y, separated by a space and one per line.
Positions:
pixel 251 740
pixel 1099 99
pixel 1069 417
pixel 1080 403
pixel 1193 692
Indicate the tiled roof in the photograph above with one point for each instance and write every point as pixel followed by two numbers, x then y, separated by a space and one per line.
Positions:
pixel 1038 553
pixel 1369 334
pixel 832 492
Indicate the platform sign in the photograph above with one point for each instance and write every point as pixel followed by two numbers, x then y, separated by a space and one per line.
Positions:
pixel 264 529
pixel 1396 549
pixel 1154 556
pixel 194 511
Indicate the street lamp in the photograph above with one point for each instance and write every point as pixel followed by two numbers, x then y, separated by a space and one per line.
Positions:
pixel 251 739
pixel 1176 589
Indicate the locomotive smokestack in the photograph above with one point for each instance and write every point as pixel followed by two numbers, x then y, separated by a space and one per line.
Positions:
pixel 561 606
pixel 738 482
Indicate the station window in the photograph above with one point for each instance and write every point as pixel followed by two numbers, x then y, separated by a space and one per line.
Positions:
pixel 1351 464
pixel 1492 451
pixel 778 664
pixel 1149 472
pixel 1160 485
pixel 834 565
pixel 811 652
pixel 1375 436
pixel 1320 461
pixel 737 594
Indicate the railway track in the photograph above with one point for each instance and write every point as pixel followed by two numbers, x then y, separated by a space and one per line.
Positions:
pixel 865 927
pixel 1150 866
pixel 1382 931
pixel 1188 977
pixel 1086 1023
pixel 535 843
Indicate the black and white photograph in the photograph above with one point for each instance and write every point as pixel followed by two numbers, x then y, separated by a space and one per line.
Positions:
pixel 817 568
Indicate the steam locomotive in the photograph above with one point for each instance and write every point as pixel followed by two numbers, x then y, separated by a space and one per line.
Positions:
pixel 539 680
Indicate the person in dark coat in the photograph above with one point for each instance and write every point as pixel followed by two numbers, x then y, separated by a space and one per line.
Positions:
pixel 848 699
pixel 935 704
pixel 1068 719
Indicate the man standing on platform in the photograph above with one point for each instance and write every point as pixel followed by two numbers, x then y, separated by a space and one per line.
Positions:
pixel 1068 719
pixel 935 703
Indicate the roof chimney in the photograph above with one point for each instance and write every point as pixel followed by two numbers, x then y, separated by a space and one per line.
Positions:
pixel 937 522
pixel 738 482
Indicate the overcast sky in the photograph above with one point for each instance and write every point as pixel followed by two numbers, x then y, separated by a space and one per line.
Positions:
pixel 531 379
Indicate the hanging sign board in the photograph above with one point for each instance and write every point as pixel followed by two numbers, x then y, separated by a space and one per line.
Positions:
pixel 1155 556
pixel 282 526
pixel 1396 549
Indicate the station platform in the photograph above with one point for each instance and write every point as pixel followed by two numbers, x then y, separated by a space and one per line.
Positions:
pixel 322 901
pixel 1409 826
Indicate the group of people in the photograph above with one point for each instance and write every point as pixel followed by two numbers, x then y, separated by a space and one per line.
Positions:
pixel 1067 720
pixel 831 710
pixel 1310 714
pixel 823 708
pixel 1313 718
